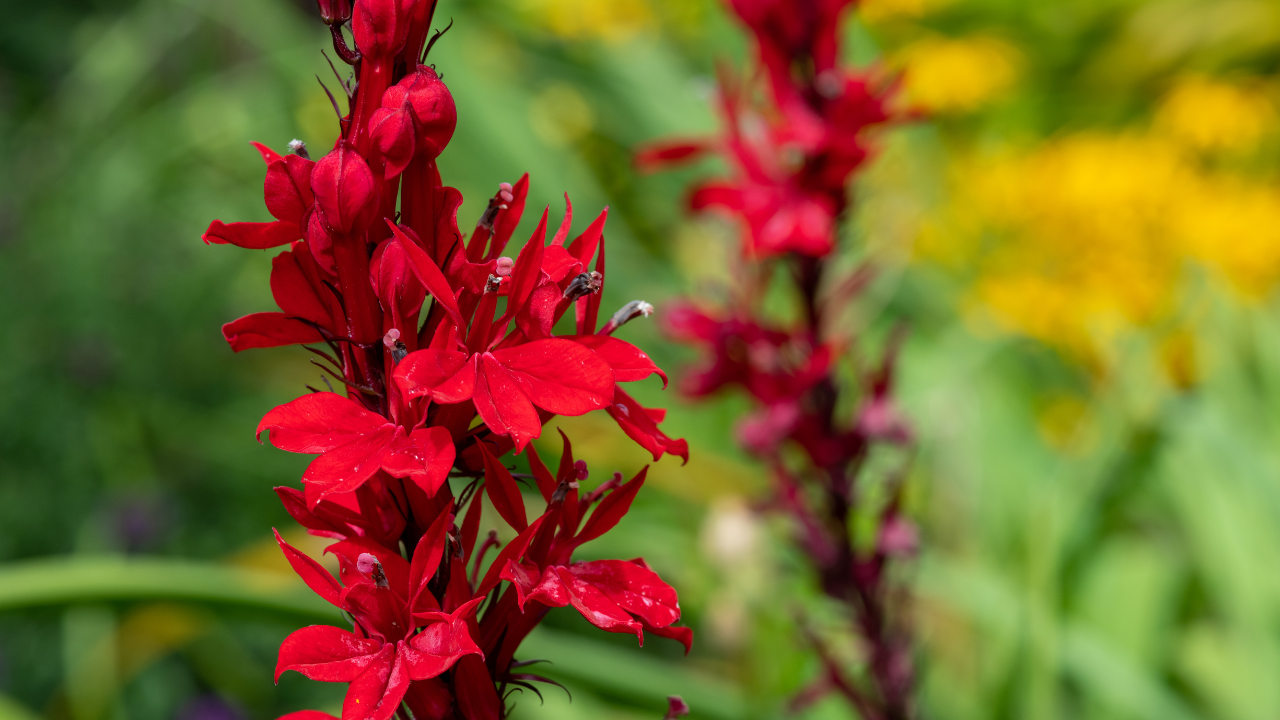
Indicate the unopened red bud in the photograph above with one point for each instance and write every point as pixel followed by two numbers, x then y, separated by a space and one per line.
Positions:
pixel 676 708
pixel 334 12
pixel 432 106
pixel 392 130
pixel 345 190
pixel 380 26
pixel 504 266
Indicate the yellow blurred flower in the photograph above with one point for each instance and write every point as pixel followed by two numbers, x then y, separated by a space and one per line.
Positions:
pixel 560 115
pixel 1089 235
pixel 1210 114
pixel 876 11
pixel 945 75
pixel 589 19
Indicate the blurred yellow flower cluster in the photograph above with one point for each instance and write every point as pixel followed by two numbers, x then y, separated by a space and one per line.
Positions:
pixel 945 75
pixel 1084 236
pixel 589 19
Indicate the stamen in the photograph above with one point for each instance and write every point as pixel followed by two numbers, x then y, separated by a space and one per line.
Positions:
pixel 504 266
pixel 627 313
pixel 368 564
pixel 584 284
pixel 299 148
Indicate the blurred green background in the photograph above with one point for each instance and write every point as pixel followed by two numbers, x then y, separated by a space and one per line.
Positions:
pixel 1083 236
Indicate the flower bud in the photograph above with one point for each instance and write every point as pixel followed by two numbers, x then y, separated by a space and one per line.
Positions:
pixel 432 106
pixel 392 131
pixel 380 26
pixel 345 190
pixel 334 12
pixel 504 266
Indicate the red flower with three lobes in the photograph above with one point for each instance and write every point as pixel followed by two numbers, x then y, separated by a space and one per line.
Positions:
pixel 389 600
pixel 354 443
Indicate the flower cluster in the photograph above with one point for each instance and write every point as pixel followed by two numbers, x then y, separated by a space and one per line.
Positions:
pixel 437 393
pixel 792 149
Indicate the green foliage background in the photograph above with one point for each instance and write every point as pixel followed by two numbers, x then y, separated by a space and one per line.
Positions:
pixel 1128 573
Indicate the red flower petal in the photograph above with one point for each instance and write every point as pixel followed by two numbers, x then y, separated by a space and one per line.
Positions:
pixel 268 329
pixel 559 376
pixel 612 509
pixel 294 291
pixel 502 404
pixel 327 653
pixel 349 466
pixel 311 572
pixel 635 421
pixel 440 645
pixel 637 589
pixel 425 456
pixel 377 692
pixel 318 422
pixel 429 273
pixel 428 372
pixel 252 235
pixel 476 695
pixel 629 362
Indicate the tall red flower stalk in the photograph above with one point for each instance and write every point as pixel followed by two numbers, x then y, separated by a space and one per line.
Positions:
pixel 431 401
pixel 793 142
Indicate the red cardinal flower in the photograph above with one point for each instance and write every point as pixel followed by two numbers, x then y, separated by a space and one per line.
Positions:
pixel 447 353
pixel 614 595
pixel 287 189
pixel 559 376
pixel 354 444
pixel 385 654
